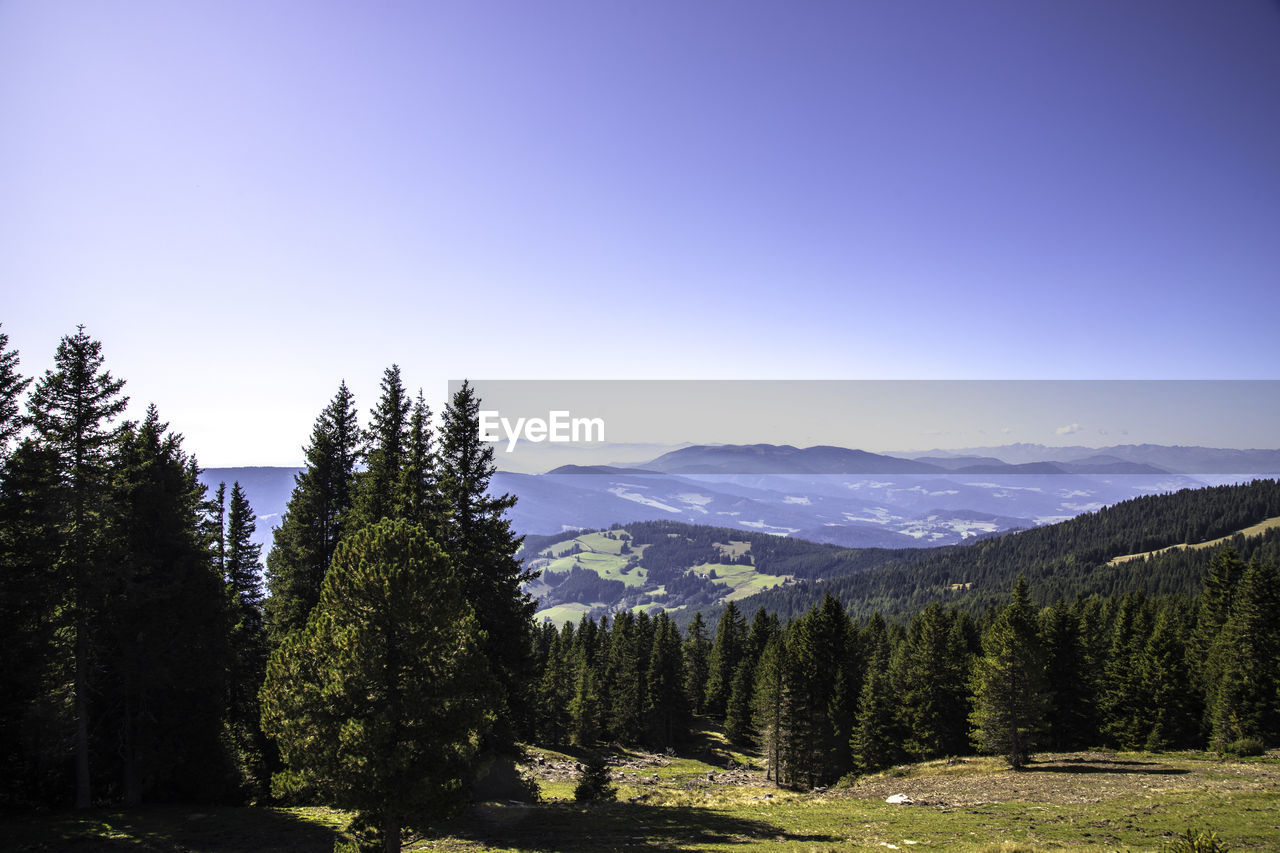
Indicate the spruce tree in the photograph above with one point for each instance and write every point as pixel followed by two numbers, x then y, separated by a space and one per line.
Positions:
pixel 697 649
pixel 1245 702
pixel 1125 703
pixel 726 651
pixel 768 707
pixel 71 410
pixel 418 493
pixel 1170 718
pixel 738 727
pixel 934 687
pixel 1215 605
pixel 1010 693
pixel 316 518
pixel 666 713
pixel 386 446
pixel 381 701
pixel 1070 720
pixel 12 384
pixel 555 690
pixel 739 711
pixel 34 718
pixel 585 708
pixel 624 681
pixel 875 732
pixel 161 643
pixel 479 538
pixel 242 572
pixel 877 739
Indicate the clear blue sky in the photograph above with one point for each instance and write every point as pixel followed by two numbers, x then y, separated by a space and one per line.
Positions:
pixel 249 201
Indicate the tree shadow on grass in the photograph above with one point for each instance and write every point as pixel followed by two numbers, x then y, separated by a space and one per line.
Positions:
pixel 1144 768
pixel 161 829
pixel 556 827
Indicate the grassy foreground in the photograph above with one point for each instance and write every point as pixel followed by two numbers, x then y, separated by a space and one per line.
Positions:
pixel 1078 801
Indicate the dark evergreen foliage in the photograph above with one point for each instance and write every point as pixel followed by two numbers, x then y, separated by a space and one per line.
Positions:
pixel 318 515
pixel 478 537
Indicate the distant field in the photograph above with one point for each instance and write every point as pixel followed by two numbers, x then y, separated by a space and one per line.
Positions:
pixel 562 613
pixel 743 580
pixel 733 550
pixel 1248 532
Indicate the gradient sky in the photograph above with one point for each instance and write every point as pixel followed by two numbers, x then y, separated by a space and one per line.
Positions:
pixel 249 201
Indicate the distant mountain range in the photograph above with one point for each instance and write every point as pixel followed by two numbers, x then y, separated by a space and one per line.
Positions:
pixel 835 495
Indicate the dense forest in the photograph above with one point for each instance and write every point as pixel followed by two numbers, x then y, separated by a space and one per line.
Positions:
pixel 824 695
pixel 378 666
pixel 386 661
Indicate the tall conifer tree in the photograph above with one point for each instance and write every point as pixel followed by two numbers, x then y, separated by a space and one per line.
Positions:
pixel 722 663
pixel 72 409
pixel 316 518
pixel 479 538
pixel 12 384
pixel 162 653
pixel 1245 702
pixel 386 446
pixel 1010 693
pixel 242 572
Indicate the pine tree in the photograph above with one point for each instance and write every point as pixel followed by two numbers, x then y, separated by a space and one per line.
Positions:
pixel 585 709
pixel 738 728
pixel 697 649
pixel 875 733
pixel 34 718
pixel 12 384
pixel 1170 716
pixel 1215 605
pixel 242 572
pixel 417 493
pixel 877 738
pixel 1071 716
pixel 71 411
pixel 666 713
pixel 381 701
pixel 161 644
pixel 726 651
pixel 555 690
pixel 934 687
pixel 739 711
pixel 317 517
pixel 386 445
pixel 623 680
pixel 1009 690
pixel 768 701
pixel 479 538
pixel 1124 702
pixel 1245 702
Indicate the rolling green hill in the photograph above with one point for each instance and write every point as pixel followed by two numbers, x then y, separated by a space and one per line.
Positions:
pixel 680 568
pixel 685 568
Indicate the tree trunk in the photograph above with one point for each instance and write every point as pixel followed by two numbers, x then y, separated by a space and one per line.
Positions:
pixel 128 759
pixel 391 833
pixel 83 791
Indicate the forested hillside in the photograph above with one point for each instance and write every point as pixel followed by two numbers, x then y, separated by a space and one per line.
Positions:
pixel 1060 560
pixel 679 568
